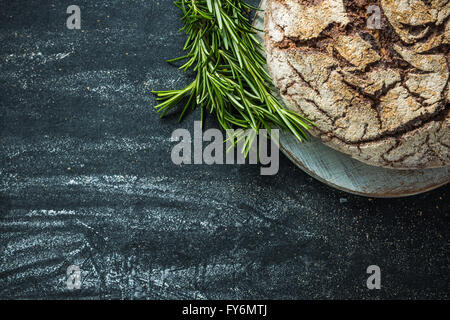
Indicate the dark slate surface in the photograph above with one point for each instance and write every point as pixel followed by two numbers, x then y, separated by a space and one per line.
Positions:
pixel 86 179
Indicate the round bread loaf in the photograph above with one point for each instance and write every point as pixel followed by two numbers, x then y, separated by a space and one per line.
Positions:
pixel 372 75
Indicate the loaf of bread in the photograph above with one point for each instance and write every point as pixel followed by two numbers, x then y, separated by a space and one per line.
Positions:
pixel 377 87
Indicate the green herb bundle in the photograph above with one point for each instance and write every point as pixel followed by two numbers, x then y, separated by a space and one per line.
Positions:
pixel 231 80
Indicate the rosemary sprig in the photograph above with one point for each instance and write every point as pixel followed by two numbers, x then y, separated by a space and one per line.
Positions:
pixel 231 79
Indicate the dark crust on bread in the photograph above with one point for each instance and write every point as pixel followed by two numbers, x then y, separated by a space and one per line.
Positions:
pixel 381 96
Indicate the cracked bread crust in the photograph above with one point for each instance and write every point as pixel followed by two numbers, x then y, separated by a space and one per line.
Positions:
pixel 381 96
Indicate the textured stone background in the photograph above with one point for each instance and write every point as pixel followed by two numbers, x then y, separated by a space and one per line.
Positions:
pixel 86 179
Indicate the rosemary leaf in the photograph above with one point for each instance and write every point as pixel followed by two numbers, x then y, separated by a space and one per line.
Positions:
pixel 231 79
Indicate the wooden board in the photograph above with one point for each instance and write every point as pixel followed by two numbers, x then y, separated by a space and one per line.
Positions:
pixel 340 171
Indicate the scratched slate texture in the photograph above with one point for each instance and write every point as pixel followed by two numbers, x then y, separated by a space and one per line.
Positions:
pixel 87 180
